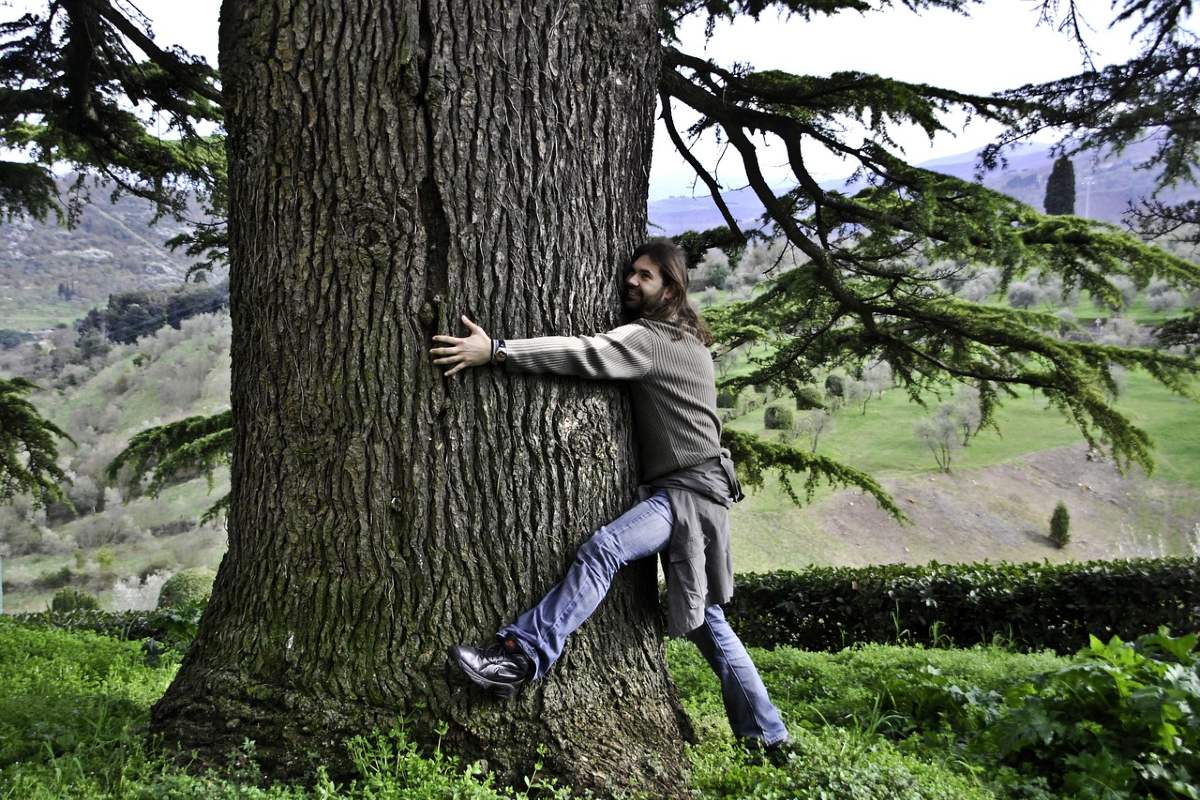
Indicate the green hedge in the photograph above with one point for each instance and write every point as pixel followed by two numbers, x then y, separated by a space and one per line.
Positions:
pixel 1033 605
pixel 174 626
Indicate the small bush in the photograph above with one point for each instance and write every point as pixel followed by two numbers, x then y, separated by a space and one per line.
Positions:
pixel 25 538
pixel 172 528
pixel 1121 716
pixel 809 397
pixel 105 557
pixel 1165 301
pixel 1060 526
pixel 109 528
pixel 835 386
pixel 187 587
pixel 1023 295
pixel 778 418
pixel 71 599
pixel 727 398
pixel 749 401
pixel 54 579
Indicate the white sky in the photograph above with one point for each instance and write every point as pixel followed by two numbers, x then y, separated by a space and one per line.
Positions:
pixel 999 46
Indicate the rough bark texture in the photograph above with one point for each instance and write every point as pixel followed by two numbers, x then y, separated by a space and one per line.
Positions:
pixel 393 165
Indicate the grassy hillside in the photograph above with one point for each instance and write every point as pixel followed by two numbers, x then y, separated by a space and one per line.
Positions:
pixel 996 502
pixel 101 403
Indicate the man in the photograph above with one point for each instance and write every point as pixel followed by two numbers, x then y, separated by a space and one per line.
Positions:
pixel 688 484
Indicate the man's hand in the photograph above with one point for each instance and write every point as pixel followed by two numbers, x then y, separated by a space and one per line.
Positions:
pixel 472 351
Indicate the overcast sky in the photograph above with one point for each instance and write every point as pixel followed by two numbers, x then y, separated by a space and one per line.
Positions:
pixel 999 46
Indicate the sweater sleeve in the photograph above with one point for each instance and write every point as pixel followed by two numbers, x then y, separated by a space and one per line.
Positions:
pixel 622 354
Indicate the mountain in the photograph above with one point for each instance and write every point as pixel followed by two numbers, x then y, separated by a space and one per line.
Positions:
pixel 114 248
pixel 1104 187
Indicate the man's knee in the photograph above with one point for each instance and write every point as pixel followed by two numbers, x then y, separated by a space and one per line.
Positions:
pixel 599 552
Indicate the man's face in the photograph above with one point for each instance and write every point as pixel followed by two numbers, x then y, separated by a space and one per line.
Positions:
pixel 643 286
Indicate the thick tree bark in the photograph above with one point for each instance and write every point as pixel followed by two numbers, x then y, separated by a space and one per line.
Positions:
pixel 392 166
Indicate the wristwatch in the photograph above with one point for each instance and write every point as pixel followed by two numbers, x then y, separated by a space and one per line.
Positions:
pixel 499 351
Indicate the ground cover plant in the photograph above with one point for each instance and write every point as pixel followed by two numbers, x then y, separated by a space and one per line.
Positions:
pixel 870 722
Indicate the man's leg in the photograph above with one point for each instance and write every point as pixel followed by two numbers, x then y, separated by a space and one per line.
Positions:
pixel 751 713
pixel 542 631
pixel 530 645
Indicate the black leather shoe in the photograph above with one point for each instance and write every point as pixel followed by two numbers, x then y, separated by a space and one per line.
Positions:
pixel 502 667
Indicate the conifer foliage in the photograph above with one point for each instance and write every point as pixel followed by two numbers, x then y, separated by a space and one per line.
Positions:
pixel 872 289
pixel 74 92
pixel 28 452
pixel 1060 187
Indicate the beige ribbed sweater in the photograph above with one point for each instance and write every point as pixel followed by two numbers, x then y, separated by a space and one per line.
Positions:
pixel 671 384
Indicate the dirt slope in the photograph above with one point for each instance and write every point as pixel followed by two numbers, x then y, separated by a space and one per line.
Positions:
pixel 996 513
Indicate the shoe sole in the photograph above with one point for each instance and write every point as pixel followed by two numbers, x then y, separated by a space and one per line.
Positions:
pixel 502 690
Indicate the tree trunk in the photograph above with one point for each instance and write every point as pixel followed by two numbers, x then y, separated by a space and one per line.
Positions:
pixel 392 166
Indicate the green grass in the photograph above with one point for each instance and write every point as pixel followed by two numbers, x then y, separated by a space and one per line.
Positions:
pixel 72 705
pixel 874 722
pixel 26 315
pixel 882 441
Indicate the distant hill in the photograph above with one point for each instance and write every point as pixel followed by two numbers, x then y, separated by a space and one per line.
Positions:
pixel 115 248
pixel 1103 188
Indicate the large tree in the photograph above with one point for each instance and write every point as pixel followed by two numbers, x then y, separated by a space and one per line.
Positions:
pixel 394 164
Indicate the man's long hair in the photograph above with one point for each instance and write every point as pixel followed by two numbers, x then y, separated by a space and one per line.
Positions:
pixel 675 309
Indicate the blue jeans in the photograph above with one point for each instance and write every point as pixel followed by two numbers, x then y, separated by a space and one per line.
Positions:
pixel 542 631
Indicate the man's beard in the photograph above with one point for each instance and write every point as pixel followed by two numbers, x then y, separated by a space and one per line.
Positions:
pixel 633 301
pixel 636 305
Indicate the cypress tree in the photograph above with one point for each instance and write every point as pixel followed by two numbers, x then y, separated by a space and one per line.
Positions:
pixel 1060 525
pixel 1060 187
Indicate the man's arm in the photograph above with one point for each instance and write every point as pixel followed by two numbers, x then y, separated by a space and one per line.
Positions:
pixel 621 354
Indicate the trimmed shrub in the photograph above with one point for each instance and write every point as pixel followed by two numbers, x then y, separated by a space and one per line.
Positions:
pixel 71 599
pixel 740 401
pixel 749 401
pixel 187 587
pixel 1060 526
pixel 809 397
pixel 835 386
pixel 1034 605
pixel 778 418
